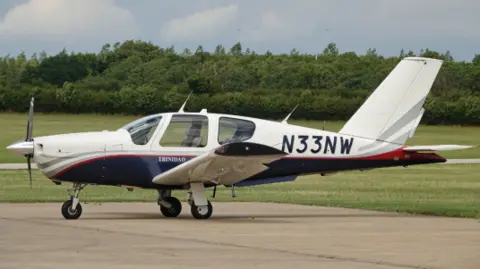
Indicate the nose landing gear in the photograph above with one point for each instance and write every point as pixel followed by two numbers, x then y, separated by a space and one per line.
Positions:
pixel 72 209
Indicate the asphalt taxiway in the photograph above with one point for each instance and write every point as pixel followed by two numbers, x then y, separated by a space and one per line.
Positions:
pixel 239 235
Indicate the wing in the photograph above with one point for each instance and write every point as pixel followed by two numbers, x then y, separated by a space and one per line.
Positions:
pixel 225 165
pixel 436 148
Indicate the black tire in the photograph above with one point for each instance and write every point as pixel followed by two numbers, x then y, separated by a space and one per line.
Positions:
pixel 67 211
pixel 197 215
pixel 174 210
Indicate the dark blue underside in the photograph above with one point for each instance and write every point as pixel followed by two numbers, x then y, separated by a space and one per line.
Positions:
pixel 139 171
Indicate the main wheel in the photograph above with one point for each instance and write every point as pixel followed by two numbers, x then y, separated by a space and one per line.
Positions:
pixel 199 214
pixel 68 212
pixel 175 207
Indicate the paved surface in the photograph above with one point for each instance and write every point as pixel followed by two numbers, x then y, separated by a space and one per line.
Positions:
pixel 239 235
pixel 15 166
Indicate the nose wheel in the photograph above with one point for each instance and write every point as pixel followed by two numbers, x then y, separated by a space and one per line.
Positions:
pixel 72 209
pixel 69 212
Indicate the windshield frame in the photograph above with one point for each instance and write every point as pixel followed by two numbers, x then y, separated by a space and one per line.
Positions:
pixel 142 123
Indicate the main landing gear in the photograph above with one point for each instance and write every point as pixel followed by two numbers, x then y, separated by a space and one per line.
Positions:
pixel 72 209
pixel 169 206
pixel 200 207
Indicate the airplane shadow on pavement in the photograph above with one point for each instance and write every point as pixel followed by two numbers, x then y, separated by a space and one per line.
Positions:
pixel 233 218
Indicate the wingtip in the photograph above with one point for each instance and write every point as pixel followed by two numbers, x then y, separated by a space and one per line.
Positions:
pixel 418 58
pixel 437 147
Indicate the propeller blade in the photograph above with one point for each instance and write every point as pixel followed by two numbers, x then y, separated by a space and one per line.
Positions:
pixel 29 169
pixel 29 138
pixel 30 121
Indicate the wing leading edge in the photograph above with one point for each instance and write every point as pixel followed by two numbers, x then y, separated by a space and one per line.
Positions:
pixel 226 165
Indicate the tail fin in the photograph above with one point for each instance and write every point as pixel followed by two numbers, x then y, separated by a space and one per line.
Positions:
pixel 392 112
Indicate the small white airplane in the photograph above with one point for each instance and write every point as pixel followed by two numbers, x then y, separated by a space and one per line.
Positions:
pixel 197 150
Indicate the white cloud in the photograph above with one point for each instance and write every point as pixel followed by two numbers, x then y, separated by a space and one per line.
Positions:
pixel 308 17
pixel 52 19
pixel 200 25
pixel 271 27
pixel 275 25
pixel 287 21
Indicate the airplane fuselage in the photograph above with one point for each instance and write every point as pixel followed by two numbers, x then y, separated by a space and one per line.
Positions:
pixel 112 158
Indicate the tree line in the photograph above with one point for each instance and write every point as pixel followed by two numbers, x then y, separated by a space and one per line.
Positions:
pixel 136 77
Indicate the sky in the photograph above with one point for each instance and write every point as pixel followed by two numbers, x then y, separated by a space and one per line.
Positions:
pixel 276 25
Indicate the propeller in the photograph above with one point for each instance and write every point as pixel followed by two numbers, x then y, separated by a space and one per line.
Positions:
pixel 29 138
pixel 26 147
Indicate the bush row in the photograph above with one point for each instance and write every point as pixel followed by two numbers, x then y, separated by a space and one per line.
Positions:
pixel 313 104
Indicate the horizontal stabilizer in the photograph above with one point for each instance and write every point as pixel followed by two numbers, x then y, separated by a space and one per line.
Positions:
pixel 436 148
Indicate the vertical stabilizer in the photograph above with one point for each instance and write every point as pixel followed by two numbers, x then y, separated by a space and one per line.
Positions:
pixel 393 110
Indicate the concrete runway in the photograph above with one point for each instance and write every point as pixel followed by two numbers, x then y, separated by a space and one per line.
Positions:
pixel 239 235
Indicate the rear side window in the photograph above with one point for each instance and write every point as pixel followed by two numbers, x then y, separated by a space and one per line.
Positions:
pixel 234 130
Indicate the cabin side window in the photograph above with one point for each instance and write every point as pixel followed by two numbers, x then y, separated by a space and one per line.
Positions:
pixel 186 131
pixel 234 130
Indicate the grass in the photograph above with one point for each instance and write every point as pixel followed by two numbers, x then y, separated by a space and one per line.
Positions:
pixel 447 190
pixel 14 128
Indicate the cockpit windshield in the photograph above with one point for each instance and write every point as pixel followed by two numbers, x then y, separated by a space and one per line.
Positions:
pixel 141 130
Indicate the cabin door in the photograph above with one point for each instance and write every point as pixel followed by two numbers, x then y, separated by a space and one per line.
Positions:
pixel 184 137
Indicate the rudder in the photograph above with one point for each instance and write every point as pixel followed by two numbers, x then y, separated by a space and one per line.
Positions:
pixel 392 112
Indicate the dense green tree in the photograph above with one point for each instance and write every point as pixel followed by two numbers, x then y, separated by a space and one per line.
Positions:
pixel 140 77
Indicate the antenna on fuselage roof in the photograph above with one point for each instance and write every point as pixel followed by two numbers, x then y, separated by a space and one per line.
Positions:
pixel 284 121
pixel 183 106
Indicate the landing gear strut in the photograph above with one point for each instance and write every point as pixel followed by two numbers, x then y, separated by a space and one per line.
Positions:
pixel 200 207
pixel 72 209
pixel 169 206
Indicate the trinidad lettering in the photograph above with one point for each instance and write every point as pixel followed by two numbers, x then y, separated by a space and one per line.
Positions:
pixel 172 159
pixel 300 143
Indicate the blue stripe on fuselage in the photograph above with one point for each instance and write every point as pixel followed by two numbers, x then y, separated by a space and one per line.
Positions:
pixel 137 170
pixel 132 170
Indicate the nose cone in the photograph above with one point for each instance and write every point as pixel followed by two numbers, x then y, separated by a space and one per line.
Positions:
pixel 21 148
